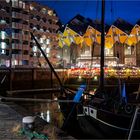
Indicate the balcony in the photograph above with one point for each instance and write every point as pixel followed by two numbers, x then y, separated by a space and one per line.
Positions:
pixel 16 46
pixel 25 37
pixel 20 16
pixel 16 25
pixel 16 15
pixel 25 27
pixel 4 26
pixel 25 47
pixel 17 56
pixel 16 36
pixel 15 4
pixel 3 13
pixel 25 57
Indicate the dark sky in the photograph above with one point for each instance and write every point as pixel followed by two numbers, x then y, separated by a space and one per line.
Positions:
pixel 129 10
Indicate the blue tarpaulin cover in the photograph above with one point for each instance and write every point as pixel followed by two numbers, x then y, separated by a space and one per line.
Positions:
pixel 79 93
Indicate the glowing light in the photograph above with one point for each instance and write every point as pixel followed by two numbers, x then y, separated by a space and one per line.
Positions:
pixel 41 40
pixel 47 41
pixel 95 78
pixel 3 45
pixel 7 1
pixel 80 77
pixel 48 116
pixel 47 50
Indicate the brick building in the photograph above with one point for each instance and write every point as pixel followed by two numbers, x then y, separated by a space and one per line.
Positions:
pixel 17 19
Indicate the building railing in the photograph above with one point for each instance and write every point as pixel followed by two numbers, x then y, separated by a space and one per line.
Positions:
pixel 16 46
pixel 25 47
pixel 25 57
pixel 16 35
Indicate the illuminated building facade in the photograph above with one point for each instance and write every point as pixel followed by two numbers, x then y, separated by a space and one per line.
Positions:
pixel 122 42
pixel 17 19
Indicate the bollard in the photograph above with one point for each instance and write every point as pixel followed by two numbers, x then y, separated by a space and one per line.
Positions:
pixel 28 123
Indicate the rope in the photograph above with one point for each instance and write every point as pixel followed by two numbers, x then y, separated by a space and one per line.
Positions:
pixel 32 135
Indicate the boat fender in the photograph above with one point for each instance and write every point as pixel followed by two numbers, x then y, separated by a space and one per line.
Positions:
pixel 128 109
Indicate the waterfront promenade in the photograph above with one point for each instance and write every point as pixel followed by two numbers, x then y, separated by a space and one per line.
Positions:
pixel 11 120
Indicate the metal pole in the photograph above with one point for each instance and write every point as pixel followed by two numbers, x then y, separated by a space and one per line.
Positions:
pixel 133 123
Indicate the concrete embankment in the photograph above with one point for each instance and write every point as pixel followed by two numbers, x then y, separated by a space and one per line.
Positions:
pixel 11 121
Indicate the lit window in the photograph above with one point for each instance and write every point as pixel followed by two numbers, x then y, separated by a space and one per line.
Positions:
pixel 128 50
pixel 3 45
pixel 20 4
pixel 58 56
pixel 7 1
pixel 44 10
pixel 3 52
pixel 31 7
pixel 3 35
pixel 2 21
pixel 47 41
pixel 43 46
pixel 41 40
pixel 23 5
pixel 7 63
pixel 50 12
pixel 15 62
pixel 47 50
pixel 35 49
pixel 20 62
pixel 108 52
pixel 41 30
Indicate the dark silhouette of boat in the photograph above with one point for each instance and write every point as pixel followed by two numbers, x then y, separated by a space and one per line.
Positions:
pixel 106 115
pixel 100 116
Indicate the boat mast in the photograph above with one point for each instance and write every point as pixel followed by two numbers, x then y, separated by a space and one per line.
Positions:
pixel 102 46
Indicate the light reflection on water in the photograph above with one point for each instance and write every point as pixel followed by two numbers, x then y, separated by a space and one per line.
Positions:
pixel 50 112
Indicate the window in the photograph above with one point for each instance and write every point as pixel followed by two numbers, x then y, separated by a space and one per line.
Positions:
pixel 25 52
pixel 3 34
pixel 31 7
pixel 43 10
pixel 41 40
pixel 127 50
pixel 14 62
pixel 3 51
pixel 47 41
pixel 3 45
pixel 50 12
pixel 25 42
pixel 35 49
pixel 108 52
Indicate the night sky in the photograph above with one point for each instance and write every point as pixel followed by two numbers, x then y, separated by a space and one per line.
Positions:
pixel 129 10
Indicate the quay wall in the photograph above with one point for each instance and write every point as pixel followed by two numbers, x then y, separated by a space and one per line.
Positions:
pixel 25 78
pixel 39 78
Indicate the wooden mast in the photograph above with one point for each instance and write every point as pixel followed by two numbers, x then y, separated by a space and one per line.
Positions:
pixel 102 46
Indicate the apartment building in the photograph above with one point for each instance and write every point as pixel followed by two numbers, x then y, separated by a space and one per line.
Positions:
pixel 17 19
pixel 122 42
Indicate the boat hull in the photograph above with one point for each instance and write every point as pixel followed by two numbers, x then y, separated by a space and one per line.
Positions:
pixel 99 128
